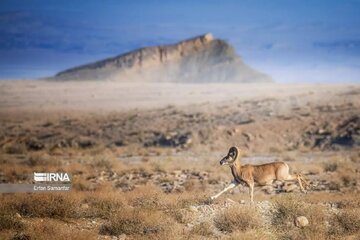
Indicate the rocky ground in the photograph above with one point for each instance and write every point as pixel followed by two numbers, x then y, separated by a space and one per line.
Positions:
pixel 132 166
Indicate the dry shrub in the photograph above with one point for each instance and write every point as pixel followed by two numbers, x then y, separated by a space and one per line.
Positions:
pixel 187 199
pixel 102 204
pixel 179 205
pixel 8 220
pixel 152 197
pixel 288 208
pixel 351 201
pixel 236 218
pixel 80 184
pixel 202 229
pixel 274 149
pixel 53 229
pixel 150 202
pixel 348 180
pixel 334 185
pixel 14 148
pixel 147 197
pixel 52 205
pixel 346 222
pixel 139 222
pixel 330 166
pixel 258 234
pixel 182 216
pixel 4 158
pixel 189 185
pixel 12 173
pixel 20 236
pixel 355 157
pixel 40 159
pixel 101 163
pixel 288 157
pixel 159 167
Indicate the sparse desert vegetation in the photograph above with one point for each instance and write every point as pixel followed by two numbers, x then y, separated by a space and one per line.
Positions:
pixel 149 173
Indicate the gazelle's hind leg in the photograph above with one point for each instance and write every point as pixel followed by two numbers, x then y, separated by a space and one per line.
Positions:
pixel 299 179
pixel 283 174
pixel 304 181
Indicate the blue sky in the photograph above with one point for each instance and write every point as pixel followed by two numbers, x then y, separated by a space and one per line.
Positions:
pixel 293 41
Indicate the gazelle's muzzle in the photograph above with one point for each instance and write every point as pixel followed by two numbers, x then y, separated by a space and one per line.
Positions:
pixel 225 160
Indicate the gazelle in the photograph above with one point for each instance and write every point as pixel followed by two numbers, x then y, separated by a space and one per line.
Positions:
pixel 263 174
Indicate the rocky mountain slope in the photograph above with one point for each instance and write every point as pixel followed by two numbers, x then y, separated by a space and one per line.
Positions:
pixel 200 59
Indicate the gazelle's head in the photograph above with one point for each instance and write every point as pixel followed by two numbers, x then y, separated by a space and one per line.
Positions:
pixel 230 158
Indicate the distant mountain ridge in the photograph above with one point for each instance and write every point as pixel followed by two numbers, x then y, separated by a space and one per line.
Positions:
pixel 199 59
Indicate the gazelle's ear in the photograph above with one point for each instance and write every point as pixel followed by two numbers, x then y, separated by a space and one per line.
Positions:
pixel 233 149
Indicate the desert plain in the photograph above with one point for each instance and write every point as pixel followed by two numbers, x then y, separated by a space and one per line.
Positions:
pixel 144 158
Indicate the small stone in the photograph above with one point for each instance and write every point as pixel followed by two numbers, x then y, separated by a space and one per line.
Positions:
pixel 242 202
pixel 230 201
pixel 84 206
pixel 290 188
pixel 301 221
pixel 268 189
pixel 321 131
pixel 249 136
pixel 193 209
pixel 17 215
pixel 122 236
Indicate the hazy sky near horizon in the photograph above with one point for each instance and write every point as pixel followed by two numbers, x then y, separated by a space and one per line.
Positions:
pixel 293 41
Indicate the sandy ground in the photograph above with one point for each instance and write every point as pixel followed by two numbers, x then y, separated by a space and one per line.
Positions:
pixel 42 96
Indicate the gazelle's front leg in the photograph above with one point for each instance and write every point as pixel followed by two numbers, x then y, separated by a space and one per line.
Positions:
pixel 231 186
pixel 251 192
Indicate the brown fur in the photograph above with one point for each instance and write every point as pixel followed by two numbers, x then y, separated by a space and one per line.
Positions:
pixel 263 174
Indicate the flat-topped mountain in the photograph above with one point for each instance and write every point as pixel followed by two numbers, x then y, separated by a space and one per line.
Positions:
pixel 199 59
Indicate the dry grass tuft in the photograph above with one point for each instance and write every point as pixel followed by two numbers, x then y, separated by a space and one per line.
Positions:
pixel 40 159
pixel 20 236
pixel 330 166
pixel 9 220
pixel 147 197
pixel 100 162
pixel 52 228
pixel 138 222
pixel 234 219
pixel 182 216
pixel 101 204
pixel 287 208
pixel 259 234
pixel 202 229
pixel 346 222
pixel 14 148
pixel 41 205
pixel 80 184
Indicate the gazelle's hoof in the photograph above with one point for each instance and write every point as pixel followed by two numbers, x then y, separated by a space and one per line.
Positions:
pixel 212 198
